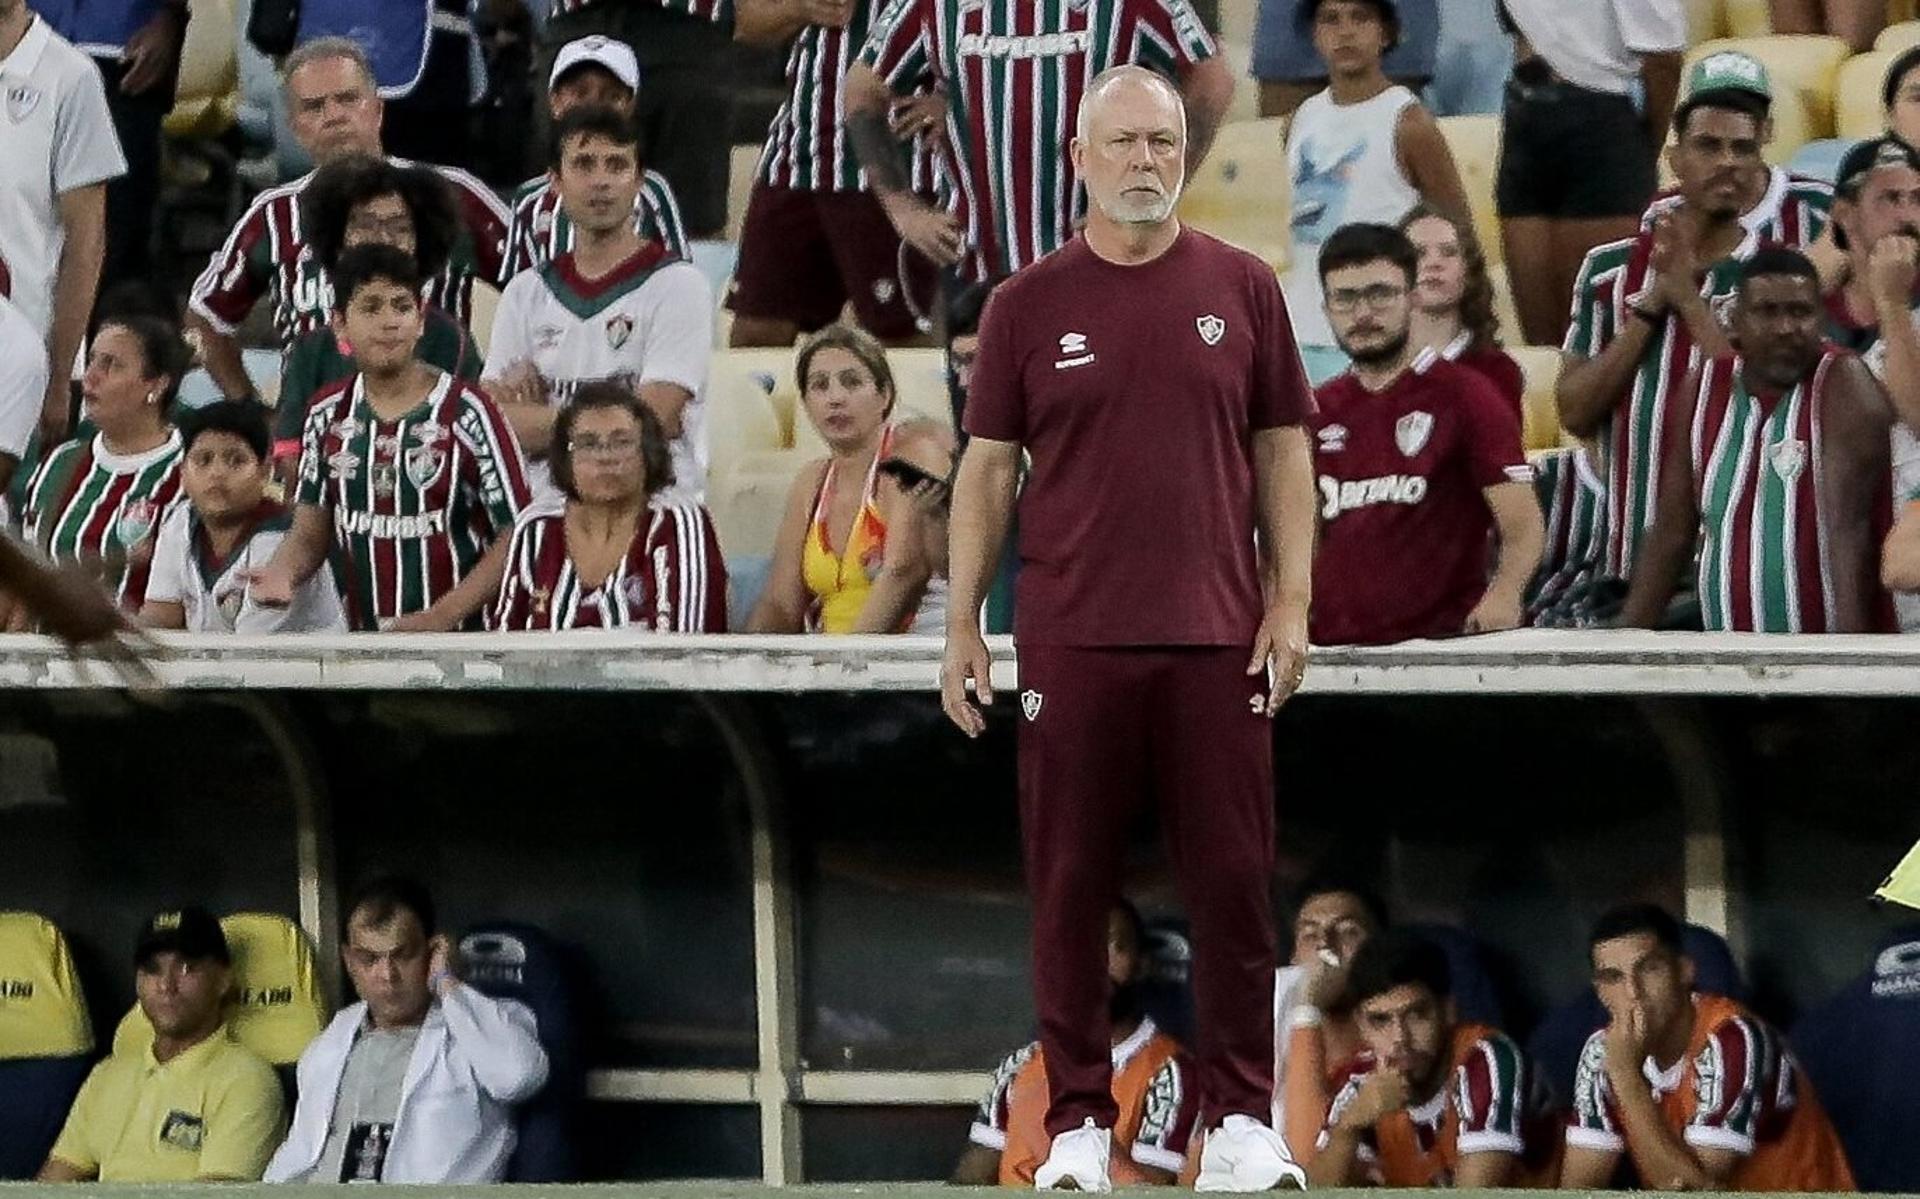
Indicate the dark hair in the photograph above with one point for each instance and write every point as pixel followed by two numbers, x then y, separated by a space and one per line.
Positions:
pixel 328 201
pixel 1897 70
pixel 162 351
pixel 1778 260
pixel 1361 243
pixel 965 308
pixel 242 418
pixel 655 453
pixel 362 265
pixel 1630 919
pixel 1309 12
pixel 378 901
pixel 594 120
pixel 858 342
pixel 1334 882
pixel 1476 297
pixel 1724 99
pixel 1398 959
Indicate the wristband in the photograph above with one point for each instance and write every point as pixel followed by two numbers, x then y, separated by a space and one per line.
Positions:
pixel 1306 1015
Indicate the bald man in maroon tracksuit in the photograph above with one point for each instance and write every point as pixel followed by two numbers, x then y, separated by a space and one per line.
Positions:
pixel 1150 372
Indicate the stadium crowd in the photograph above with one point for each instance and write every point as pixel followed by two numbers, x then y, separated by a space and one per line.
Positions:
pixel 508 413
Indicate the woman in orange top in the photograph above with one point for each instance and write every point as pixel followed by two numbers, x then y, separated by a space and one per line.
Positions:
pixel 832 558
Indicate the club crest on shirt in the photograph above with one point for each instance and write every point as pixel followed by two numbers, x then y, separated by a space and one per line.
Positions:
pixel 21 101
pixel 136 521
pixel 183 1130
pixel 1211 328
pixel 1788 458
pixel 1411 431
pixel 884 290
pixel 423 465
pixel 619 329
pixel 547 336
pixel 1030 702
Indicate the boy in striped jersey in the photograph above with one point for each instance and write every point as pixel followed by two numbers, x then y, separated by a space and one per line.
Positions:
pixel 815 239
pixel 1013 72
pixel 590 72
pixel 1644 309
pixel 413 476
pixel 1778 456
pixel 1431 1101
pixel 335 112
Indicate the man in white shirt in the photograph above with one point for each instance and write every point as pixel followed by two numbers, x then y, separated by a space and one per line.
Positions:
pixel 23 385
pixel 1578 160
pixel 415 1083
pixel 618 305
pixel 58 150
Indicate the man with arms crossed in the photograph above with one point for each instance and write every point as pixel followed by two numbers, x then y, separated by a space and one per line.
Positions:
pixel 1150 372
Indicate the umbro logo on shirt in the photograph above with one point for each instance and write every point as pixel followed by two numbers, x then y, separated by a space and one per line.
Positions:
pixel 1073 351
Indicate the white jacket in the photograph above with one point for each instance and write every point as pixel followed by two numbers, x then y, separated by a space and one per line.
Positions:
pixel 475 1058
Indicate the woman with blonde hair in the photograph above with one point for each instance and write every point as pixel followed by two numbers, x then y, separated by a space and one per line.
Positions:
pixel 833 558
pixel 1453 302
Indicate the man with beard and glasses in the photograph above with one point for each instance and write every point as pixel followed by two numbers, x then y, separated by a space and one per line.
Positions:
pixel 1418 460
pixel 1153 1085
pixel 1645 308
pixel 1777 458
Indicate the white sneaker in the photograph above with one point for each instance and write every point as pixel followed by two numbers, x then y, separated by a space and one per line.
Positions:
pixel 1245 1155
pixel 1077 1161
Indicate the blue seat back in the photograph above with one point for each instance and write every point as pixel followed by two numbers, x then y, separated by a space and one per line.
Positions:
pixel 508 960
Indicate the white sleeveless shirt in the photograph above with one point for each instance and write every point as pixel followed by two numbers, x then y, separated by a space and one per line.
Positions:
pixel 1345 170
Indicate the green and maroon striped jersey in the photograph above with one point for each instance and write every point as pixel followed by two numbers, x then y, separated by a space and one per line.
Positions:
pixel 1013 72
pixel 87 504
pixel 319 359
pixel 807 146
pixel 709 10
pixel 416 501
pixel 540 231
pixel 267 255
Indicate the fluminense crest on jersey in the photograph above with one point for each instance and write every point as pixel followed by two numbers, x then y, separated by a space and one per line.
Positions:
pixel 1411 431
pixel 1211 328
pixel 21 101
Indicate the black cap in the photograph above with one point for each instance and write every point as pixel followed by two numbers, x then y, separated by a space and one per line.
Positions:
pixel 191 932
pixel 1870 156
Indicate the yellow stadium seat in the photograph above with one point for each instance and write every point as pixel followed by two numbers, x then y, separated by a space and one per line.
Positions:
pixel 1747 18
pixel 920 381
pixel 740 172
pixel 1895 38
pixel 1857 109
pixel 277 1006
pixel 1505 313
pixel 1475 145
pixel 1792 129
pixel 1245 105
pixel 770 369
pixel 747 505
pixel 1541 366
pixel 1806 63
pixel 42 1010
pixel 206 99
pixel 740 421
pixel 1242 193
pixel 1705 19
pixel 485 306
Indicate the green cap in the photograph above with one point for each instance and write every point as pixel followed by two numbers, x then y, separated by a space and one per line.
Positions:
pixel 1729 71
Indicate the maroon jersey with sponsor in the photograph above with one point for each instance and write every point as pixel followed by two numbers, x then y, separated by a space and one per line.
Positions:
pixel 672 579
pixel 1137 391
pixel 1403 521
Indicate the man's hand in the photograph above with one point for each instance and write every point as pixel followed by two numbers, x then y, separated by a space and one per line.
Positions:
pixel 153 52
pixel 1384 1091
pixel 966 658
pixel 1496 610
pixel 834 14
pixel 56 410
pixel 1280 647
pixel 1326 980
pixel 1627 1043
pixel 925 113
pixel 423 621
pixel 1674 260
pixel 1892 264
pixel 442 971
pixel 935 234
pixel 271 586
pixel 520 384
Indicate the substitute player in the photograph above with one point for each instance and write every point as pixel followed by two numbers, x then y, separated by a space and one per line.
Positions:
pixel 593 72
pixel 1701 1093
pixel 1150 372
pixel 616 306
pixel 1418 460
pixel 413 476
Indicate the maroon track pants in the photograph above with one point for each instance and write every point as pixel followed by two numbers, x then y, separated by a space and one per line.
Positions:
pixel 1102 732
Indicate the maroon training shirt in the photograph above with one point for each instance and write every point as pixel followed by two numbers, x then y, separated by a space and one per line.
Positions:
pixel 1499 368
pixel 1136 390
pixel 1403 521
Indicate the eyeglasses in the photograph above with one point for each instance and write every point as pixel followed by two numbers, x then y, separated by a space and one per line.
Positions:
pixel 618 446
pixel 390 230
pixel 1379 295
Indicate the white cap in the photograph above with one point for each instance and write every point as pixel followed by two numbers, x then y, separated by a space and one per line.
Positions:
pixel 614 55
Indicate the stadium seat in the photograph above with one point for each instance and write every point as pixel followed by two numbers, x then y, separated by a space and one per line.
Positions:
pixel 1857 111
pixel 486 306
pixel 1242 193
pixel 46 1040
pixel 1541 366
pixel 1895 38
pixel 1473 990
pixel 1245 105
pixel 206 99
pixel 1820 160
pixel 740 171
pixel 1859 1048
pixel 748 503
pixel 516 961
pixel 278 1005
pixel 1806 63
pixel 1475 143
pixel 740 420
pixel 1167 990
pixel 1748 18
pixel 1792 129
pixel 1706 19
pixel 1559 1037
